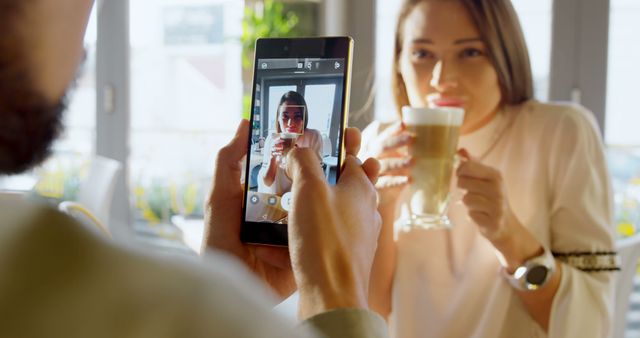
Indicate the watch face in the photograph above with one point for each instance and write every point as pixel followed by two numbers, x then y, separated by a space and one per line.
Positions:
pixel 537 275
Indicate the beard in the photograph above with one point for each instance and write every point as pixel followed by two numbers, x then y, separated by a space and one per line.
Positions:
pixel 29 123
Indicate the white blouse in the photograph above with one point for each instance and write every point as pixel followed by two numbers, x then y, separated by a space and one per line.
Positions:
pixel 448 283
pixel 282 184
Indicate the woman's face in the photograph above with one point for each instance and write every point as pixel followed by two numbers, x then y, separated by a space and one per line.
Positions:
pixel 291 118
pixel 444 62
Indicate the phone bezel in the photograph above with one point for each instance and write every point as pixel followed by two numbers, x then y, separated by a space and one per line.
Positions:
pixel 274 234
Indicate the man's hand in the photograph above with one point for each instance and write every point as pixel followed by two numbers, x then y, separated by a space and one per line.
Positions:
pixel 333 231
pixel 223 218
pixel 332 268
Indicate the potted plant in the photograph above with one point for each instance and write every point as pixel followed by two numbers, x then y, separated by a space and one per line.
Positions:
pixel 264 19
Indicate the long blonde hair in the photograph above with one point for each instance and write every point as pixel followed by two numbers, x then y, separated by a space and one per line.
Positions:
pixel 500 31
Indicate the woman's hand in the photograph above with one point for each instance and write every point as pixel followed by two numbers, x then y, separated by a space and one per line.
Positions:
pixel 484 196
pixel 486 199
pixel 276 153
pixel 395 165
pixel 276 147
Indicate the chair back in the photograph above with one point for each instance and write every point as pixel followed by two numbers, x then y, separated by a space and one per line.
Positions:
pixel 629 253
pixel 85 217
pixel 96 192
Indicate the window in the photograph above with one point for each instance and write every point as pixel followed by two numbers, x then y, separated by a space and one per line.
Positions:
pixel 320 97
pixel 535 18
pixel 386 17
pixel 622 119
pixel 186 101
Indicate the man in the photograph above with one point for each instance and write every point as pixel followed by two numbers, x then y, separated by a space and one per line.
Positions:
pixel 57 280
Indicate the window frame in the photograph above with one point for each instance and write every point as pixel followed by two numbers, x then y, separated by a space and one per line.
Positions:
pixel 579 54
pixel 113 104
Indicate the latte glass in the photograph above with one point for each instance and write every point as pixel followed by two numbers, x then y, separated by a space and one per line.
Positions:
pixel 436 132
pixel 288 142
pixel 291 119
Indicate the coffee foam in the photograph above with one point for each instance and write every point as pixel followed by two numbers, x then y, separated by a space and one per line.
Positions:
pixel 288 135
pixel 443 116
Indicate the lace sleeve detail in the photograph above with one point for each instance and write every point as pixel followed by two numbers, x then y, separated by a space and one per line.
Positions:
pixel 598 261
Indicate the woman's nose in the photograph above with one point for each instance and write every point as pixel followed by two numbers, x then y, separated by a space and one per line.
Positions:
pixel 443 76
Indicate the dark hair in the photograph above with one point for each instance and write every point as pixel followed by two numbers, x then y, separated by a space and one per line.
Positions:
pixel 295 98
pixel 29 121
pixel 500 31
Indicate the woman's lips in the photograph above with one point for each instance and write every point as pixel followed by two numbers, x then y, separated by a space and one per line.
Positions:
pixel 446 102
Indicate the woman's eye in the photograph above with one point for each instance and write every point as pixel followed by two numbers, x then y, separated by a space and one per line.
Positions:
pixel 421 54
pixel 471 52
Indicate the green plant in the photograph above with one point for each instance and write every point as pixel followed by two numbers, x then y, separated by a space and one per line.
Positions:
pixel 159 200
pixel 59 178
pixel 272 21
pixel 246 106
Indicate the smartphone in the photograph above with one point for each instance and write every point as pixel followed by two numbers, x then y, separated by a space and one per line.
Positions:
pixel 300 98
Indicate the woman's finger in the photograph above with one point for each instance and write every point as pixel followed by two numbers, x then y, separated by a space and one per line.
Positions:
pixel 479 186
pixel 480 203
pixel 387 182
pixel 392 130
pixel 389 139
pixel 394 142
pixel 475 169
pixel 396 166
pixel 480 218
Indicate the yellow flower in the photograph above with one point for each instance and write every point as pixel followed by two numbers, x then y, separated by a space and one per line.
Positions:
pixel 626 229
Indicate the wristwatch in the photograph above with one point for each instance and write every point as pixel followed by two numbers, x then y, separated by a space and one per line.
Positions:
pixel 534 273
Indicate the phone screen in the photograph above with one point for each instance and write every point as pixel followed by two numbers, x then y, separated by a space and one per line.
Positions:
pixel 297 102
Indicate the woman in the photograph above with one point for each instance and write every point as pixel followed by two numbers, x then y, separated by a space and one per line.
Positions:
pixel 532 187
pixel 291 118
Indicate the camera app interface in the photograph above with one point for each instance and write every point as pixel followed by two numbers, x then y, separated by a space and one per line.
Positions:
pixel 297 103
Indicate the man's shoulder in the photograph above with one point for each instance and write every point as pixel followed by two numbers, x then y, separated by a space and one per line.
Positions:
pixel 20 217
pixel 39 235
pixel 48 259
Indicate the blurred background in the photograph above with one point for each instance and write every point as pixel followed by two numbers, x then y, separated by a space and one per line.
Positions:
pixel 165 83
